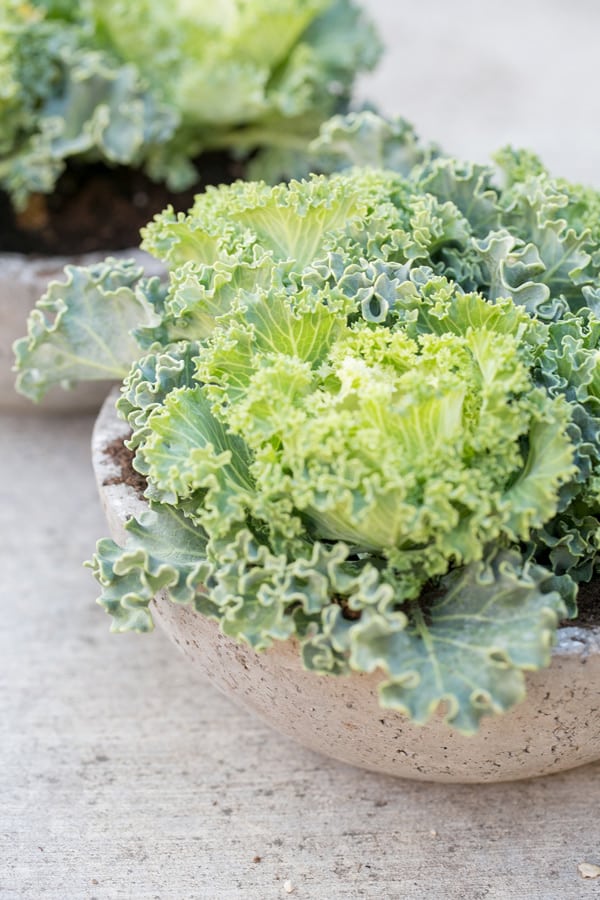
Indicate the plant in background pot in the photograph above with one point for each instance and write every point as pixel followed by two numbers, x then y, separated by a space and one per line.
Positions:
pixel 365 412
pixel 109 111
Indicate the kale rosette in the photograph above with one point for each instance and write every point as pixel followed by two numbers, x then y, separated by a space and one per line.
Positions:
pixel 153 85
pixel 366 406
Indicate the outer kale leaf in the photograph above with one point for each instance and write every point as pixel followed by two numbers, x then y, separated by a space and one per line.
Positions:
pixel 470 187
pixel 467 649
pixel 150 381
pixel 190 455
pixel 163 551
pixel 532 240
pixel 82 328
pixel 570 366
pixel 149 86
pixel 365 139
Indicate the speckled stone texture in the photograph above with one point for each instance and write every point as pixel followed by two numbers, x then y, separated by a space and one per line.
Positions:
pixel 23 280
pixel 557 727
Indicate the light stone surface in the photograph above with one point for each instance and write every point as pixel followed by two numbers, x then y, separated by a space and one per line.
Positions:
pixel 124 775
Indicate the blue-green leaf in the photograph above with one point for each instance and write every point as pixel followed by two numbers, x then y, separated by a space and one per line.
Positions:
pixel 81 329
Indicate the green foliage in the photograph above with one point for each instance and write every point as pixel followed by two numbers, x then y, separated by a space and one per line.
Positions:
pixel 367 409
pixel 164 552
pixel 82 328
pixel 153 85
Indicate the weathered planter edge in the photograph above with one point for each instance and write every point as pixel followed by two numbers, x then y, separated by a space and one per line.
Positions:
pixel 557 727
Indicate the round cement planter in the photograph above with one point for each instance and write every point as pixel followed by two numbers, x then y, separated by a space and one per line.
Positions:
pixel 557 727
pixel 23 280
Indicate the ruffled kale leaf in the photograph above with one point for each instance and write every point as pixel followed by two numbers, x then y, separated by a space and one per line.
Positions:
pixel 163 552
pixel 149 382
pixel 199 294
pixel 468 186
pixel 151 86
pixel 82 328
pixel 570 366
pixel 189 457
pixel 367 409
pixel 245 220
pixel 466 648
pixel 533 240
pixel 366 140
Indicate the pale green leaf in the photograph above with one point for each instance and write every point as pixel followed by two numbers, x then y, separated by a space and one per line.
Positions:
pixel 465 649
pixel 366 140
pixel 187 451
pixel 164 551
pixel 81 329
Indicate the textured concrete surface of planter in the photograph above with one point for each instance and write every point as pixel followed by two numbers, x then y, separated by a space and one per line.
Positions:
pixel 557 727
pixel 23 280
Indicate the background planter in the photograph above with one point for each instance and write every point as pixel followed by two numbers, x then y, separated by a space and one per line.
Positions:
pixel 23 280
pixel 557 727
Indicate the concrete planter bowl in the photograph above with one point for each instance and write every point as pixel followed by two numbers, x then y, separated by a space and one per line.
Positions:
pixel 557 727
pixel 23 280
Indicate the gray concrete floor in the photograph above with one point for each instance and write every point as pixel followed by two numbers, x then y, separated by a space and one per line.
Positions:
pixel 123 774
pixel 476 76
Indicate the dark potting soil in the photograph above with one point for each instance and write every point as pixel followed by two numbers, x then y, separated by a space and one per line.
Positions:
pixel 588 599
pixel 97 208
pixel 588 606
pixel 123 458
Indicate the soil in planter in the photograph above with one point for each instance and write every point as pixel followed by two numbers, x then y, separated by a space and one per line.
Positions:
pixel 123 458
pixel 96 207
pixel 588 606
pixel 588 599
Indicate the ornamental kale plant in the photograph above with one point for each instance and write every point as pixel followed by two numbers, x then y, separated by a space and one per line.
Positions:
pixel 153 85
pixel 367 409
